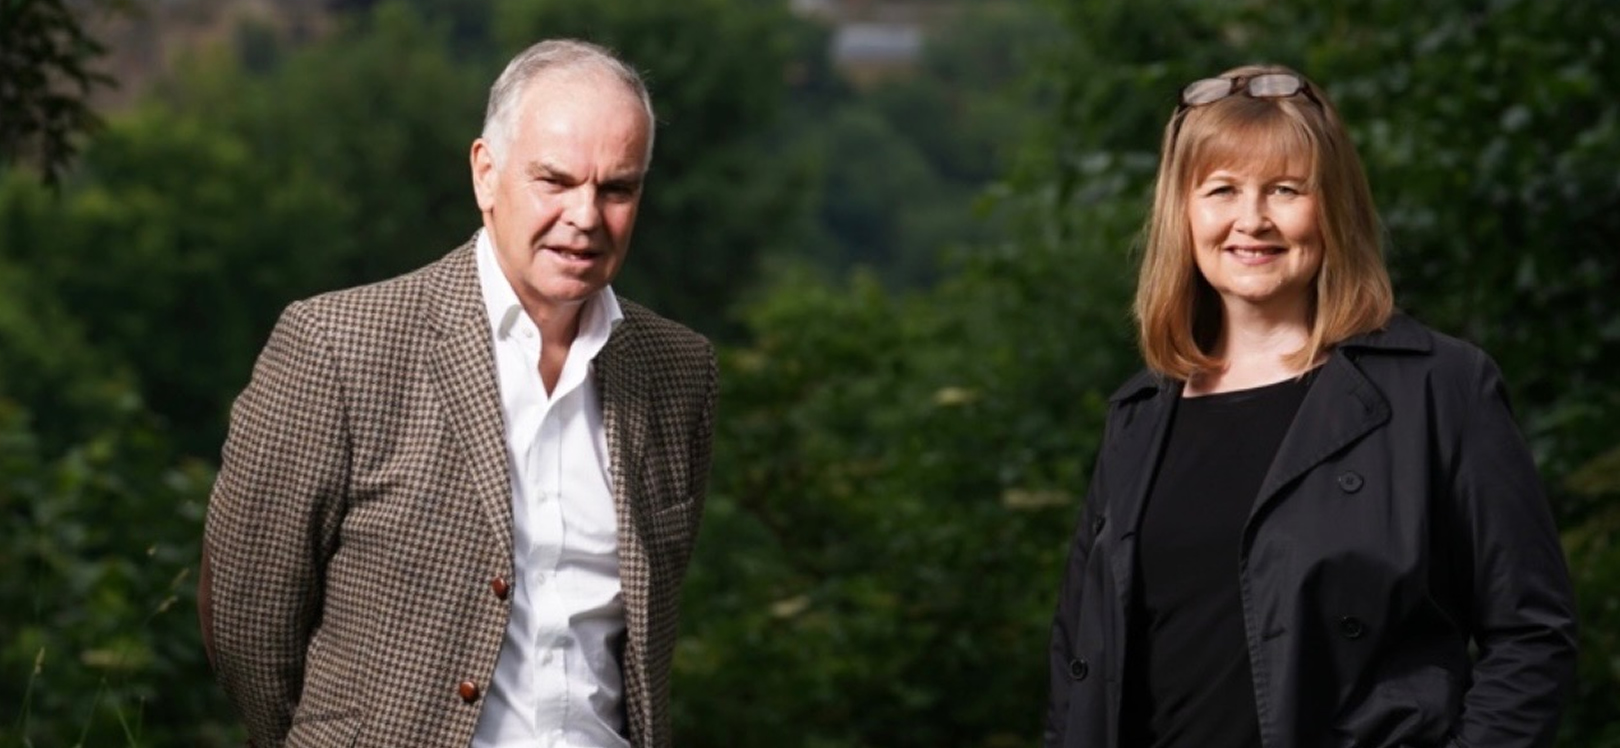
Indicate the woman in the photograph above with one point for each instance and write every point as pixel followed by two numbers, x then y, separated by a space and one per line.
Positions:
pixel 1312 521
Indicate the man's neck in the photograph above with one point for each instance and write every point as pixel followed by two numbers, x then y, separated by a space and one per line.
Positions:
pixel 558 329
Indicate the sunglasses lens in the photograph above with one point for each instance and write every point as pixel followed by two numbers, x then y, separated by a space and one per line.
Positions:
pixel 1274 86
pixel 1206 91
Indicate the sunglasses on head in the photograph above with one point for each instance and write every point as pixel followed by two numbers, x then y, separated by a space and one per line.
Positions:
pixel 1263 86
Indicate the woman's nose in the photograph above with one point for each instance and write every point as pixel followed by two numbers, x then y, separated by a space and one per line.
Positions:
pixel 1252 216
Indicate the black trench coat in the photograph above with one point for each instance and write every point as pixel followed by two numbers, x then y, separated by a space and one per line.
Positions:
pixel 1402 522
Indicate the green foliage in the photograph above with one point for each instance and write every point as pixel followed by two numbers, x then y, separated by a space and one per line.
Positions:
pixel 193 220
pixel 48 361
pixel 98 546
pixel 890 472
pixel 897 168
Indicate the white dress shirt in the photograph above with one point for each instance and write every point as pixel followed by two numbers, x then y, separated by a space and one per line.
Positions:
pixel 558 680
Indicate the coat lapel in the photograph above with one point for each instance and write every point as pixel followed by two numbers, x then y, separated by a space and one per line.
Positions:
pixel 1142 436
pixel 464 376
pixel 1341 407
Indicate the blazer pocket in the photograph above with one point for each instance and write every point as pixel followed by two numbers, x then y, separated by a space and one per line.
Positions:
pixel 324 730
pixel 670 530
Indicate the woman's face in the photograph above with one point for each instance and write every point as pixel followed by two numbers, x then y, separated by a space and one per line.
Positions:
pixel 1255 235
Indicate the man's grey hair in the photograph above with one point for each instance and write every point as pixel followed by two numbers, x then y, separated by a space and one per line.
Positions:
pixel 554 55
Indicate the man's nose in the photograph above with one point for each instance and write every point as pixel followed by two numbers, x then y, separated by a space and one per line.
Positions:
pixel 583 211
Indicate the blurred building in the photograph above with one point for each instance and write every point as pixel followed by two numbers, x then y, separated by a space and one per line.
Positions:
pixel 146 39
pixel 875 39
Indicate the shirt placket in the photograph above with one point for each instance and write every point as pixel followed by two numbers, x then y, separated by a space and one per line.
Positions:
pixel 552 635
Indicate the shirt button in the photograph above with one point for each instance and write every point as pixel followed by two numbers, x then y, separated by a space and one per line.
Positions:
pixel 468 691
pixel 1350 481
pixel 500 587
pixel 1078 669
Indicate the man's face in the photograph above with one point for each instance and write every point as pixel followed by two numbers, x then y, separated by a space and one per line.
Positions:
pixel 560 202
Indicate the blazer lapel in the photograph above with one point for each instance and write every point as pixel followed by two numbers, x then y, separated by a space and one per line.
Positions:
pixel 624 420
pixel 464 375
pixel 621 385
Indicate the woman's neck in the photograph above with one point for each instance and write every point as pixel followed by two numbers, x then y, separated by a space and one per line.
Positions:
pixel 1255 349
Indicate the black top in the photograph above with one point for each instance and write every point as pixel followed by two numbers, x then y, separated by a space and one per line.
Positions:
pixel 1187 678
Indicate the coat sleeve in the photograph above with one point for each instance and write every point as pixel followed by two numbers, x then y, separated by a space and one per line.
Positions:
pixel 1520 602
pixel 272 523
pixel 1066 621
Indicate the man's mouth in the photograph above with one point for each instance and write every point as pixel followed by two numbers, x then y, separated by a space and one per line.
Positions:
pixel 579 255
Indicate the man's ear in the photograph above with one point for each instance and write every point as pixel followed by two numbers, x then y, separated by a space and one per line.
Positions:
pixel 484 174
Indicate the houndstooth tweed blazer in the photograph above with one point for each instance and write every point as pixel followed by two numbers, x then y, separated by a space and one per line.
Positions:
pixel 359 535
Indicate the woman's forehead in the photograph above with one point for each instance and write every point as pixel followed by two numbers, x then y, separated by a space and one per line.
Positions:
pixel 1264 165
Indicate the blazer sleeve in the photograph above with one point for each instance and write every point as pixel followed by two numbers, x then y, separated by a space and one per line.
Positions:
pixel 1520 600
pixel 272 522
pixel 701 442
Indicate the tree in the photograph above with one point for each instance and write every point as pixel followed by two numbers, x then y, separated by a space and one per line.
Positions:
pixel 228 195
pixel 45 80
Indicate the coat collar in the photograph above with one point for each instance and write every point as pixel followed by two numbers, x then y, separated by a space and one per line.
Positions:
pixel 1401 334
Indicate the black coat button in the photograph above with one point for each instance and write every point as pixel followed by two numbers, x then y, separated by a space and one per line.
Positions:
pixel 1097 524
pixel 1078 669
pixel 1350 481
pixel 1352 627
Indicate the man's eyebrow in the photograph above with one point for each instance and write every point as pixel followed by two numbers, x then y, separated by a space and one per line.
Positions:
pixel 627 180
pixel 631 179
pixel 540 170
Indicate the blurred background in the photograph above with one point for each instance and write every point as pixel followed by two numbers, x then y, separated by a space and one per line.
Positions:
pixel 909 226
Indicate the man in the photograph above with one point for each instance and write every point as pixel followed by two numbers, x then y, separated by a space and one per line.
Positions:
pixel 455 507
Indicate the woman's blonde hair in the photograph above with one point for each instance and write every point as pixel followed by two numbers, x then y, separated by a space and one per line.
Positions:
pixel 1178 314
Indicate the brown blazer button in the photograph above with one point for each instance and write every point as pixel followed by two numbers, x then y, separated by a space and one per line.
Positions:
pixel 501 588
pixel 468 691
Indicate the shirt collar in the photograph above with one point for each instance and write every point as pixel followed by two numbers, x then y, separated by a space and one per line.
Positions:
pixel 598 317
